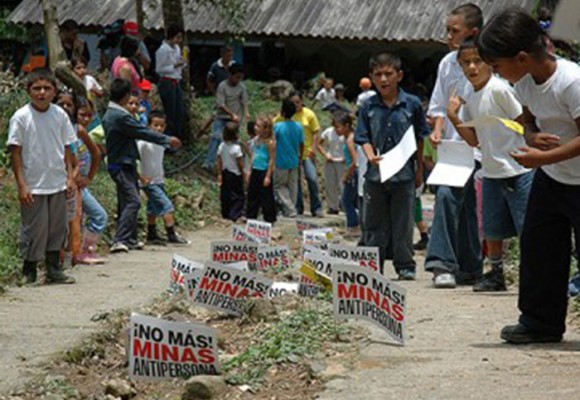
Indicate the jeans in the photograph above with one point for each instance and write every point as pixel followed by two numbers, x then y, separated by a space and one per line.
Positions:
pixel 285 190
pixel 454 245
pixel 172 99
pixel 129 202
pixel 312 180
pixel 349 201
pixel 95 213
pixel 214 142
pixel 333 174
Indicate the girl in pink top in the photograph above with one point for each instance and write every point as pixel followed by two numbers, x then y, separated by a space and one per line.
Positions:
pixel 125 65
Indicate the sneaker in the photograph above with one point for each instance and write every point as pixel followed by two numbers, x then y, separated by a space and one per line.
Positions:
pixel 59 277
pixel 574 286
pixel 133 244
pixel 519 334
pixel 493 281
pixel 156 240
pixel 318 214
pixel 119 247
pixel 444 280
pixel 178 239
pixel 406 275
pixel 421 244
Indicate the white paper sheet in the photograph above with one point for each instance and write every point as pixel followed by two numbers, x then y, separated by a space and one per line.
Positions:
pixel 396 158
pixel 454 166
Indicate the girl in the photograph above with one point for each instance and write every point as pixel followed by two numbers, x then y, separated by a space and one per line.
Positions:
pixel 549 90
pixel 260 187
pixel 126 66
pixel 230 163
pixel 79 66
pixel 89 157
pixel 330 145
pixel 343 125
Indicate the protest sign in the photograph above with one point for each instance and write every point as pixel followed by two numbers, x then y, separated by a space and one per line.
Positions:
pixel 273 257
pixel 240 234
pixel 229 252
pixel 262 231
pixel 365 294
pixel 161 349
pixel 227 289
pixel 316 272
pixel 282 288
pixel 303 225
pixel 365 256
pixel 179 267
pixel 318 238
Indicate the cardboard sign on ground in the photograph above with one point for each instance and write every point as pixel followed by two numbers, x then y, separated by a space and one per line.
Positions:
pixel 273 257
pixel 231 251
pixel 261 230
pixel 367 257
pixel 181 266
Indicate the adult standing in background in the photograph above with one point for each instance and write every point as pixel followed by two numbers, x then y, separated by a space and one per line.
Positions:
pixel 169 64
pixel 113 50
pixel 220 70
pixel 73 45
pixel 125 65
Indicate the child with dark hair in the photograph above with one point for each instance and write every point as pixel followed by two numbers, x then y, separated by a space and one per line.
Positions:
pixel 79 66
pixel 125 65
pixel 230 164
pixel 152 178
pixel 383 121
pixel 41 135
pixel 549 91
pixel 454 250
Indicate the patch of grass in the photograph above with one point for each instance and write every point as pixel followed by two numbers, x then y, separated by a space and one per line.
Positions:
pixel 298 335
pixel 10 263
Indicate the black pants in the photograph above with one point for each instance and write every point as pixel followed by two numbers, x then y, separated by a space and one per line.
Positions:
pixel 172 99
pixel 546 245
pixel 261 197
pixel 128 203
pixel 232 196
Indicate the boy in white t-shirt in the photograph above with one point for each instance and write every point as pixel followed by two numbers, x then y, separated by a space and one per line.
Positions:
pixel 330 145
pixel 506 184
pixel 152 178
pixel 326 95
pixel 230 163
pixel 40 138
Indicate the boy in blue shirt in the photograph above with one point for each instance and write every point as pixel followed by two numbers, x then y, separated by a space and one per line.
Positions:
pixel 389 207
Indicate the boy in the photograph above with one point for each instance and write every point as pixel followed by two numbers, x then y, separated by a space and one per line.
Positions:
pixel 40 138
pixel 122 129
pixel 506 184
pixel 454 251
pixel 326 95
pixel 365 86
pixel 231 106
pixel 152 179
pixel 388 207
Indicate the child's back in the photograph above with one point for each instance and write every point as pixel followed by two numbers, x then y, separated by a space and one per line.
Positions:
pixel 229 153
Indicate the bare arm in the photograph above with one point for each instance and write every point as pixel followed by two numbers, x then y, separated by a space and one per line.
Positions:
pixel 219 170
pixel 240 162
pixel 468 134
pixel 312 154
pixel 352 152
pixel 93 150
pixel 534 138
pixel 24 194
pixel 370 153
pixel 272 158
pixel 72 169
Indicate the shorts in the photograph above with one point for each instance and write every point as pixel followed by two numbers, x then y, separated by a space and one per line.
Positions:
pixel 158 202
pixel 505 201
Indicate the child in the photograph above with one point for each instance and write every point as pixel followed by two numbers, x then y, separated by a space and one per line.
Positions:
pixel 343 124
pixel 230 163
pixel 289 149
pixel 506 184
pixel 454 251
pixel 152 179
pixel 365 86
pixel 40 134
pixel 79 66
pixel 330 145
pixel 549 91
pixel 144 102
pixel 388 207
pixel 260 186
pixel 248 147
pixel 122 130
pixel 326 95
pixel 133 108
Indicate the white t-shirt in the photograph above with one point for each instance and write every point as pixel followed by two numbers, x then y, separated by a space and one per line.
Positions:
pixel 91 83
pixel 229 153
pixel 165 59
pixel 364 96
pixel 495 99
pixel 43 137
pixel 333 144
pixel 556 104
pixel 151 156
pixel 326 97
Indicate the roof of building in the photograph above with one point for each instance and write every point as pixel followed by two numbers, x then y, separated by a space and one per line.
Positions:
pixel 391 20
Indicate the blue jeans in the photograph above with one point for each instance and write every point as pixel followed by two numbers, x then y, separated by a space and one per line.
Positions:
pixel 214 142
pixel 312 180
pixel 158 203
pixel 349 201
pixel 96 214
pixel 454 245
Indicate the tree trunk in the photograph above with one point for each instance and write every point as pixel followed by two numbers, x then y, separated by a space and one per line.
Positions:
pixel 56 55
pixel 140 17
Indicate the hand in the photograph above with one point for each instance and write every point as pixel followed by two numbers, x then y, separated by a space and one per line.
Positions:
pixel 145 180
pixel 174 142
pixel 418 179
pixel 455 103
pixel 220 180
pixel 235 118
pixel 247 117
pixel 328 157
pixel 312 155
pixel 71 188
pixel 435 138
pixel 247 178
pixel 544 141
pixel 267 181
pixel 375 160
pixel 82 182
pixel 25 196
pixel 530 157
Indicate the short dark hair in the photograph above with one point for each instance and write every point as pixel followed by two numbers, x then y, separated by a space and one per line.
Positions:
pixel 467 44
pixel 129 46
pixel 385 59
pixel 226 48
pixel 288 108
pixel 471 14
pixel 510 32
pixel 236 68
pixel 82 102
pixel 343 117
pixel 251 128
pixel 120 88
pixel 41 74
pixel 155 114
pixel 75 60
pixel 230 133
pixel 69 25
pixel 173 30
pixel 295 93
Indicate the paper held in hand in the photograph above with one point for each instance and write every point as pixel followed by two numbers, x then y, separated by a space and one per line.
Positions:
pixel 455 163
pixel 395 159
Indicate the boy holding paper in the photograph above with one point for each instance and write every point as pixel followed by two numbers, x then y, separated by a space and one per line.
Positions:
pixel 506 184
pixel 385 121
